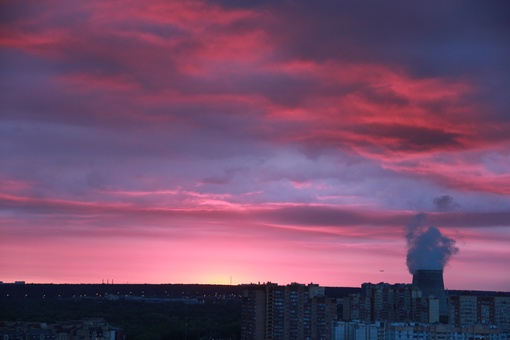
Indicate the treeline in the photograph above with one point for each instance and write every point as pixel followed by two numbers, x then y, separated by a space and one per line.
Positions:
pixel 140 320
pixel 149 290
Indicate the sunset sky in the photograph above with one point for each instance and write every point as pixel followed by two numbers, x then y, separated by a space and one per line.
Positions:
pixel 286 141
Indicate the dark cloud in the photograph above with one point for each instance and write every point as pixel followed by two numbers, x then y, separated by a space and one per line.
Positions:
pixel 445 203
pixel 413 138
pixel 438 37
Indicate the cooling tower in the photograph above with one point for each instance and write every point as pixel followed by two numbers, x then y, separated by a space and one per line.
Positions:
pixel 431 283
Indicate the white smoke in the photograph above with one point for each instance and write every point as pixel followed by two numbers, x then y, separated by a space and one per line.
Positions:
pixel 427 248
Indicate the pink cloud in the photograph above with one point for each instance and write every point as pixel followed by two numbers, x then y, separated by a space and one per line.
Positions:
pixel 339 254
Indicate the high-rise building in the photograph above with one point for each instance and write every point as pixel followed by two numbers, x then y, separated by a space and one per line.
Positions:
pixel 390 302
pixel 357 307
pixel 467 312
pixel 485 310
pixel 470 309
pixel 502 312
pixel 254 313
pixel 295 311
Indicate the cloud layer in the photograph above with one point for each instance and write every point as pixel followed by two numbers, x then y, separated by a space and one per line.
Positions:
pixel 262 140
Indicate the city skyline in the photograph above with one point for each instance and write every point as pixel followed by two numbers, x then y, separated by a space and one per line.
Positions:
pixel 251 141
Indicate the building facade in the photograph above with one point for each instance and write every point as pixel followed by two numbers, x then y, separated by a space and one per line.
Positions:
pixel 467 310
pixel 414 331
pixel 390 303
pixel 291 312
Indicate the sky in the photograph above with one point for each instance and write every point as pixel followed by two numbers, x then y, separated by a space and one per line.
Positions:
pixel 231 141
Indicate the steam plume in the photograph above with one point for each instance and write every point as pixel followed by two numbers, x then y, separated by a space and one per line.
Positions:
pixel 427 248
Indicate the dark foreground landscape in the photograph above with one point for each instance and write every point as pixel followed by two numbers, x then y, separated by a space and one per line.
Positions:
pixel 143 311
